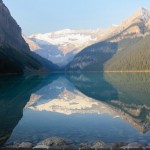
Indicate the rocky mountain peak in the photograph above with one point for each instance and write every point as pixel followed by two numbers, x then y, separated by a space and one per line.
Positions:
pixel 142 9
pixel 142 13
pixel 138 24
pixel 10 31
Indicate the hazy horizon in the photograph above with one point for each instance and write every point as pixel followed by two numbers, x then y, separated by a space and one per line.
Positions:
pixel 38 17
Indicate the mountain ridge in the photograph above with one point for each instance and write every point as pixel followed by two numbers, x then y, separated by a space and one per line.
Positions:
pixel 131 32
pixel 62 46
pixel 66 43
pixel 15 55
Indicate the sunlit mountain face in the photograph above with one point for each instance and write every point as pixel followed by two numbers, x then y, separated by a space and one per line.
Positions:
pixel 67 107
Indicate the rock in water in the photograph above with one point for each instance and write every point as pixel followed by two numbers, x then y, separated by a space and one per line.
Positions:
pixel 41 146
pixel 25 145
pixel 98 144
pixel 53 141
pixel 131 146
pixel 85 146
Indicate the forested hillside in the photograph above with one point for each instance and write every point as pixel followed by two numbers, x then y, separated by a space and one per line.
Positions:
pixel 93 57
pixel 135 57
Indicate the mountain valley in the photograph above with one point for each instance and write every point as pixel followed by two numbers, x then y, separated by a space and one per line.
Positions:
pixel 87 50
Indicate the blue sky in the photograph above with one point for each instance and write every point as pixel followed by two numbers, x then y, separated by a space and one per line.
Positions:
pixel 41 16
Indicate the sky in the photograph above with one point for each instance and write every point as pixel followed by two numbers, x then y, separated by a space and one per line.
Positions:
pixel 42 16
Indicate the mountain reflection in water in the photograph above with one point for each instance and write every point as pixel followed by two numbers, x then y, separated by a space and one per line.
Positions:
pixel 128 93
pixel 80 107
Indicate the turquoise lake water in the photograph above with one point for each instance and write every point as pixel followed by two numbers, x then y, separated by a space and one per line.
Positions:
pixel 112 107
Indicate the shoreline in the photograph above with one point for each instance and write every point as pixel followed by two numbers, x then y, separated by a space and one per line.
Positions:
pixel 132 71
pixel 121 71
pixel 61 143
pixel 70 72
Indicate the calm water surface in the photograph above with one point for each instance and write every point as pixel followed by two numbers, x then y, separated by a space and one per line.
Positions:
pixel 112 107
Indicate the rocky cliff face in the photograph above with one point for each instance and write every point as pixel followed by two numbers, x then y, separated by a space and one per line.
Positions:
pixel 10 32
pixel 137 25
pixel 15 55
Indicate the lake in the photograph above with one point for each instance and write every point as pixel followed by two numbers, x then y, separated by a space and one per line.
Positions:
pixel 86 107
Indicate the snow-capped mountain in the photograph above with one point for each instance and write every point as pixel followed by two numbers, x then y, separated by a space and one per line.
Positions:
pixel 66 39
pixel 33 46
pixel 61 46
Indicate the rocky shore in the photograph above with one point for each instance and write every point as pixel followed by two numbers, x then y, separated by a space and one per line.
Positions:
pixel 60 143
